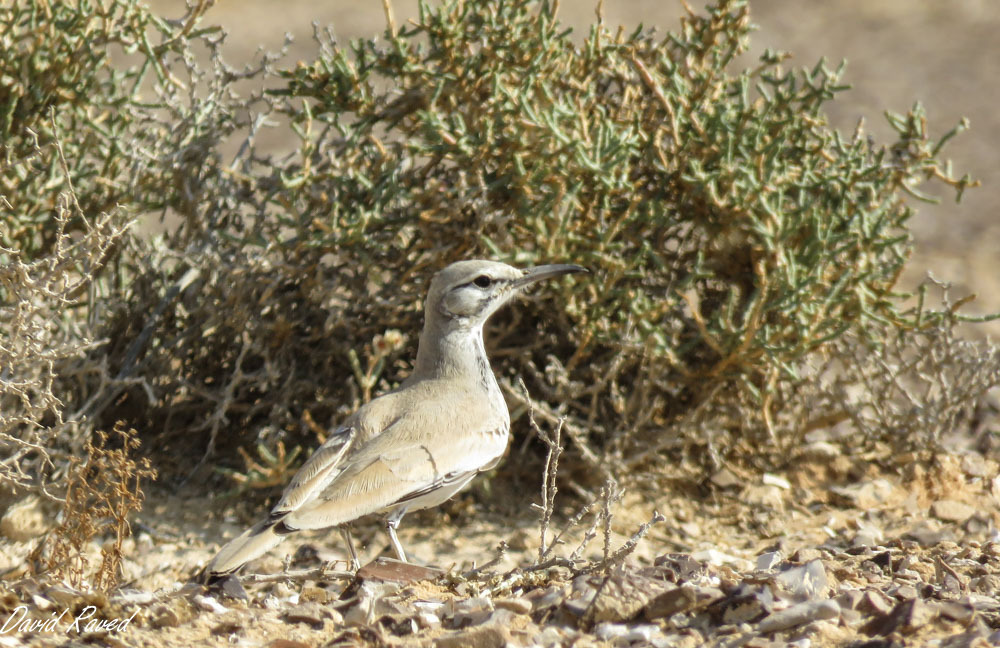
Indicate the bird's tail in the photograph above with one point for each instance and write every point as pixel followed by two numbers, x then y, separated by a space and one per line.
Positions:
pixel 241 550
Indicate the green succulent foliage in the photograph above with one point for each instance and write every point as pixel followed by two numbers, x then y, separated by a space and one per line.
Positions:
pixel 61 79
pixel 733 233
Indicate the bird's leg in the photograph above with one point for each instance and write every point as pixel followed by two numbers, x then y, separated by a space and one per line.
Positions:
pixel 391 523
pixel 345 533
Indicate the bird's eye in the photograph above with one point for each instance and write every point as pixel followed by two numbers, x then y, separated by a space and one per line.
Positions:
pixel 482 281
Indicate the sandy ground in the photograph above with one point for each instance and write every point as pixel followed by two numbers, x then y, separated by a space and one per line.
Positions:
pixel 835 553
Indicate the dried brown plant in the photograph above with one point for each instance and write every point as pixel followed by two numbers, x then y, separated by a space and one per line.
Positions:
pixel 101 493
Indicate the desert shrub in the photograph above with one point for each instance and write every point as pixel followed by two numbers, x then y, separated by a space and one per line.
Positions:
pixel 743 250
pixel 101 492
pixel 61 83
pixel 44 347
pixel 735 235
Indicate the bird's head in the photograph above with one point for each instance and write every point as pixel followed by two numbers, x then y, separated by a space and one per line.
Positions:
pixel 466 293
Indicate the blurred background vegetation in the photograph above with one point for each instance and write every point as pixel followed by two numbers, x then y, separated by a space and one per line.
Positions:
pixel 747 248
pixel 898 51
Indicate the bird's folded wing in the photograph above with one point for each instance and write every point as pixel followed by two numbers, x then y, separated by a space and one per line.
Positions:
pixel 391 470
pixel 317 472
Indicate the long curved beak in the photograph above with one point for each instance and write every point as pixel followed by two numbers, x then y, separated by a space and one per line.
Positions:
pixel 540 273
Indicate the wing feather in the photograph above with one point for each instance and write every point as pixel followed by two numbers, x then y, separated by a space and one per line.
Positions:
pixel 391 470
pixel 316 472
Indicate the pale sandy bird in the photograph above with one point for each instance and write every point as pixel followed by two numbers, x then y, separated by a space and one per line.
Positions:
pixel 416 446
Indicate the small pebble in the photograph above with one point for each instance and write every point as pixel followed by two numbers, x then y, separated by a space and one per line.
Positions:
pixel 209 604
pixel 515 605
pixel 609 631
pixel 799 614
pixel 769 560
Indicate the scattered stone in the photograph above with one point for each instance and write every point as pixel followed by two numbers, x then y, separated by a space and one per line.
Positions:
pixel 746 641
pixel 850 599
pixel 625 634
pixel 578 607
pixel 620 598
pixel 769 560
pixel 481 637
pixel 103 638
pixel 428 613
pixel 313 594
pixel 209 604
pixel 863 551
pixel 952 510
pixel 928 533
pixel 517 605
pixel 986 584
pixel 645 633
pixel 806 581
pixel 41 603
pixel 875 602
pixel 471 612
pixel 820 451
pixel 920 588
pixel 866 495
pixel 501 617
pixel 680 599
pixel 428 619
pixel 553 636
pixel 747 604
pixel 372 602
pixel 433 606
pixel 543 599
pixel 906 617
pixel 975 465
pixel 310 614
pixel 399 625
pixel 980 524
pixel 388 569
pixel 987 603
pixel 691 638
pixel 691 529
pixel 287 643
pixel 726 478
pixel 682 567
pixel 607 631
pixel 283 592
pixel 715 557
pixel 165 617
pixel 799 614
pixel 23 520
pixel 806 554
pixel 867 536
pixel 957 611
pixel 765 497
pixel 883 560
pixel 132 597
pixel 228 624
pixel 776 480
